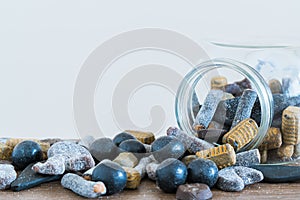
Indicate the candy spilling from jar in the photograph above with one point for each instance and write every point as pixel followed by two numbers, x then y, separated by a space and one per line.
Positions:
pixel 179 162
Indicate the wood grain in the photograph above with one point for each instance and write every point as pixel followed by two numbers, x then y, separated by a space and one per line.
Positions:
pixel 148 190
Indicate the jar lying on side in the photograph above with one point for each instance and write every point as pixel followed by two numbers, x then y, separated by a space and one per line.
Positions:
pixel 228 101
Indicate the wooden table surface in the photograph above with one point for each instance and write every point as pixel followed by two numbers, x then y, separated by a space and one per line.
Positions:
pixel 148 190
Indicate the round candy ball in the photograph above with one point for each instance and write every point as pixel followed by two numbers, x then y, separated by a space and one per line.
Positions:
pixel 170 174
pixel 119 138
pixel 25 153
pixel 112 175
pixel 203 171
pixel 133 146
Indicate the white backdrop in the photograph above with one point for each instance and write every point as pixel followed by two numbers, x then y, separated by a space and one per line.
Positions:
pixel 43 45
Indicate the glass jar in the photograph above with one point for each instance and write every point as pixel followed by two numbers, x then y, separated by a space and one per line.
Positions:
pixel 262 66
pixel 198 81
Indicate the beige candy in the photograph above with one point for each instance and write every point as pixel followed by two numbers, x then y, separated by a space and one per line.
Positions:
pixel 5 152
pixel 291 125
pixel 187 159
pixel 126 159
pixel 272 140
pixel 285 151
pixel 142 136
pixel 133 178
pixel 275 86
pixel 218 82
pixel 223 155
pixel 241 134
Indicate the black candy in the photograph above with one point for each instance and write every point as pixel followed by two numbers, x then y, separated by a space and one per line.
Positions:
pixel 160 142
pixel 119 138
pixel 170 174
pixel 112 175
pixel 28 179
pixel 133 146
pixel 25 153
pixel 203 171
pixel 104 148
pixel 278 173
pixel 167 147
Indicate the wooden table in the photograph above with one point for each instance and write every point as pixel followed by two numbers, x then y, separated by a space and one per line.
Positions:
pixel 148 190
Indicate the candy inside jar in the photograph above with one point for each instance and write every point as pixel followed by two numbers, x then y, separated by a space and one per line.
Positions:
pixel 225 101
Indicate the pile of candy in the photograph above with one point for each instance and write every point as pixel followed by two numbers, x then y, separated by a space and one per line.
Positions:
pixel 179 162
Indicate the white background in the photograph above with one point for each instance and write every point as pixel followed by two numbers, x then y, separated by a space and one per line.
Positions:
pixel 44 43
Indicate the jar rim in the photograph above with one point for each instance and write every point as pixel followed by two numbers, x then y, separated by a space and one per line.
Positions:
pixel 257 42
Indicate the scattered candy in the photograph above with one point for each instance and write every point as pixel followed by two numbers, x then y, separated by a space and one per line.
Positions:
pixel 234 179
pixel 223 155
pixel 170 174
pixel 142 136
pixel 119 138
pixel 191 143
pixel 25 153
pixel 247 158
pixel 202 171
pixel 133 146
pixel 112 175
pixel 193 192
pixel 133 178
pixel 29 179
pixel 208 109
pixel 229 181
pixel 65 156
pixel 126 159
pixel 167 147
pixel 83 187
pixel 104 148
pixel 7 175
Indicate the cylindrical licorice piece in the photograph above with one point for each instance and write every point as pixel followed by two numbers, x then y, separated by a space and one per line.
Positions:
pixel 286 84
pixel 211 135
pixel 285 152
pixel 187 159
pixel 126 159
pixel 247 158
pixel 272 140
pixel 133 178
pixel 241 134
pixel 223 155
pixel 190 142
pixel 195 104
pixel 151 170
pixel 291 125
pixel 83 187
pixel 218 83
pixel 142 136
pixel 245 106
pixel 275 86
pixel 208 109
